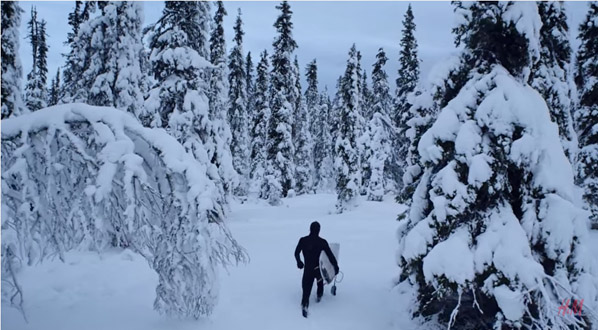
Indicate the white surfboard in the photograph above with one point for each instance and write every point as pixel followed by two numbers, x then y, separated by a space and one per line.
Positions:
pixel 326 267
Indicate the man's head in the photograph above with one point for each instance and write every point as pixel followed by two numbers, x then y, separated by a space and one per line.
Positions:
pixel 314 228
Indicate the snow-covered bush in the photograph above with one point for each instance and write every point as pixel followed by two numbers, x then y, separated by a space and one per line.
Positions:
pixel 79 176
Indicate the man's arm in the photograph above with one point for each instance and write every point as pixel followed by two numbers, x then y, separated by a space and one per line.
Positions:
pixel 330 255
pixel 297 252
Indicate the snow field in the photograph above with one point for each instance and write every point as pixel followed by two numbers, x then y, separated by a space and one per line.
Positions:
pixel 115 290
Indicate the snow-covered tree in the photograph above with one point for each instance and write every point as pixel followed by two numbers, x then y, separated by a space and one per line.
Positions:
pixel 347 162
pixel 326 142
pixel 318 123
pixel 249 85
pixel 237 107
pixel 178 101
pixel 54 93
pixel 75 176
pixel 259 129
pixel 218 96
pixel 114 76
pixel 551 73
pixel 494 238
pixel 304 163
pixel 406 83
pixel 378 131
pixel 586 115
pixel 36 93
pixel 280 167
pixel 12 71
pixel 78 59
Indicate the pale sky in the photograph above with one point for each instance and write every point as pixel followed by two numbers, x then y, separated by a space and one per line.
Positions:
pixel 324 30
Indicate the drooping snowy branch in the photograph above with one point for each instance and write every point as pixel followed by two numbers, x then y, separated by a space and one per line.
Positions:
pixel 78 176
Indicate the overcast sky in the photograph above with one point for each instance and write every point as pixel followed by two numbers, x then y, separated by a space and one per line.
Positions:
pixel 324 30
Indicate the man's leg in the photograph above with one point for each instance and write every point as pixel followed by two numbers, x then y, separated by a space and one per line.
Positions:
pixel 306 283
pixel 320 284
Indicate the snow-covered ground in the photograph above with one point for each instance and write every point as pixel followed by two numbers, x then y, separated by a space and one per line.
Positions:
pixel 115 290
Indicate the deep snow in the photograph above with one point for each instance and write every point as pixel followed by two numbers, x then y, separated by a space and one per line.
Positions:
pixel 115 290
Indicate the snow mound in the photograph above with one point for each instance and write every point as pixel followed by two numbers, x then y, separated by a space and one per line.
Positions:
pixel 80 176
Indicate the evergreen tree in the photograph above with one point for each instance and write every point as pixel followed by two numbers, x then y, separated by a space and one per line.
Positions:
pixel 280 167
pixel 378 131
pixel 304 164
pixel 313 103
pixel 551 73
pixel 586 115
pixel 347 161
pixel 218 97
pixel 54 94
pixel 325 144
pixel 78 59
pixel 249 85
pixel 259 129
pixel 487 198
pixel 114 75
pixel 12 72
pixel 178 101
pixel 237 107
pixel 406 83
pixel 36 90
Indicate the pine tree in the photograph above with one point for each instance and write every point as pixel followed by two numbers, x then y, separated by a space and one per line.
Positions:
pixel 304 164
pixel 586 115
pixel 78 59
pixel 12 72
pixel 237 107
pixel 378 131
pixel 54 94
pixel 406 83
pixel 280 167
pixel 36 90
pixel 551 74
pixel 347 158
pixel 259 129
pixel 493 237
pixel 218 97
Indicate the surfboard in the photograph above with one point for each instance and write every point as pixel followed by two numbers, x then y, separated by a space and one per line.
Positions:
pixel 326 267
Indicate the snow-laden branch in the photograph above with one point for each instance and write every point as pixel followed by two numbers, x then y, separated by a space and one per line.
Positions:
pixel 79 176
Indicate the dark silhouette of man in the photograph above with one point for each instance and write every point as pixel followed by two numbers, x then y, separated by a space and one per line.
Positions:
pixel 312 246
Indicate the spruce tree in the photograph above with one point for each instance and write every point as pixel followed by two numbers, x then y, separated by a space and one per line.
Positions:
pixel 78 59
pixel 178 101
pixel 114 75
pixel 586 115
pixel 493 238
pixel 347 158
pixel 313 103
pixel 37 79
pixel 249 85
pixel 379 131
pixel 551 73
pixel 237 107
pixel 218 97
pixel 259 129
pixel 54 94
pixel 406 82
pixel 304 165
pixel 325 144
pixel 12 71
pixel 280 162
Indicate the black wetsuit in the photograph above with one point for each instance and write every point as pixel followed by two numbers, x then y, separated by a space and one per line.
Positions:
pixel 312 246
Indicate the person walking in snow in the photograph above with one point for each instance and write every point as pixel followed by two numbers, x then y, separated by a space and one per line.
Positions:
pixel 312 246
